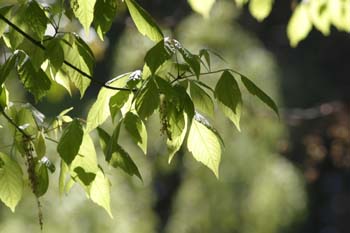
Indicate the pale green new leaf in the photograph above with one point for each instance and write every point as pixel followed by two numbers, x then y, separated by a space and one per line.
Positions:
pixel 203 7
pixel 100 110
pixel 255 90
pixel 228 94
pixel 147 99
pixel 320 16
pixel 100 191
pixel 105 11
pixel 11 181
pixel 339 11
pixel 7 67
pixel 84 166
pixel 299 25
pixel 260 9
pixel 204 146
pixel 70 141
pixel 84 11
pixel 143 21
pixel 62 177
pixel 136 128
pixel 202 101
pixel 4 97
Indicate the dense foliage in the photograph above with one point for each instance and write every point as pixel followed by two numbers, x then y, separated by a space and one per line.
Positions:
pixel 171 83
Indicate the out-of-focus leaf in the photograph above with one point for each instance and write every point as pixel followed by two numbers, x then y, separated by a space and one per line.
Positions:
pixel 143 21
pixel 299 25
pixel 11 181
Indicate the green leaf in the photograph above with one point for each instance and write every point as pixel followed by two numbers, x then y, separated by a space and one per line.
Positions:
pixel 118 157
pixel 299 25
pixel 4 97
pixel 205 53
pixel 156 56
pixel 31 18
pixel 178 125
pixel 260 9
pixel 55 53
pixel 78 54
pixel 40 145
pixel 339 11
pixel 7 67
pixel 117 101
pixel 137 130
pixel 147 100
pixel 254 90
pixel 70 141
pixel 202 101
pixel 121 159
pixel 62 177
pixel 143 21
pixel 84 11
pixel 100 110
pixel 205 146
pixel 228 94
pixel 203 7
pixel 105 11
pixel 104 139
pixel 11 181
pixel 4 11
pixel 320 16
pixel 100 191
pixel 192 60
pixel 35 81
pixel 84 165
pixel 42 180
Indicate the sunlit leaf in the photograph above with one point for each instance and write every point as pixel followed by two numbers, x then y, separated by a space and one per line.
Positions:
pixel 202 101
pixel 204 146
pixel 100 110
pixel 203 7
pixel 260 9
pixel 299 25
pixel 105 11
pixel 117 101
pixel 100 191
pixel 143 21
pixel 84 166
pixel 228 94
pixel 319 15
pixel 11 181
pixel 84 11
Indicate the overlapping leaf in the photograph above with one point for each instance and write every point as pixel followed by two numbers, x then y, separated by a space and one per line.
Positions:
pixel 11 181
pixel 143 21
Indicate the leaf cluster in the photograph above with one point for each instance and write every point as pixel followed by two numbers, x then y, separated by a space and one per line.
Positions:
pixel 171 83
